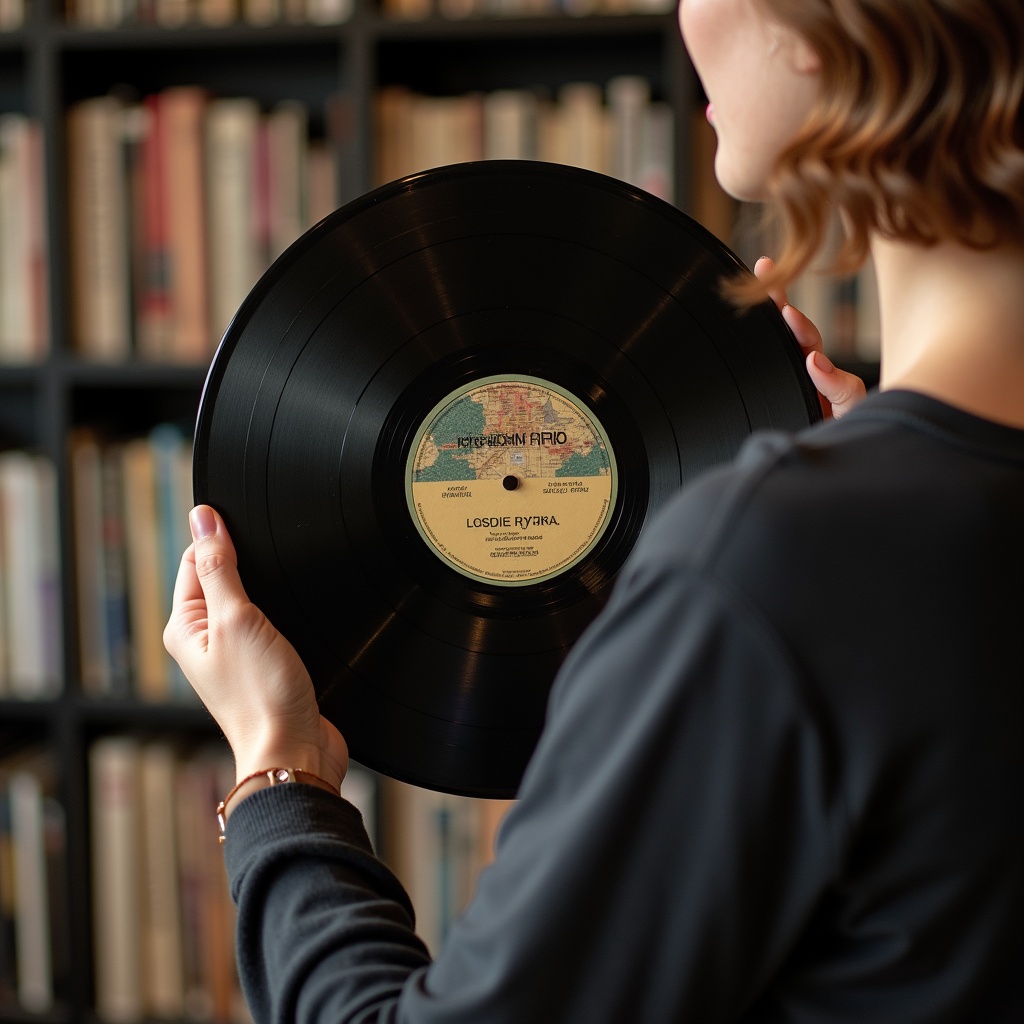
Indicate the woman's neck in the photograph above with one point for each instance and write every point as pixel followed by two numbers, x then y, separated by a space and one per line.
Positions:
pixel 953 325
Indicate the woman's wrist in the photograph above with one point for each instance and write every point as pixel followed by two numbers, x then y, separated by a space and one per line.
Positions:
pixel 264 777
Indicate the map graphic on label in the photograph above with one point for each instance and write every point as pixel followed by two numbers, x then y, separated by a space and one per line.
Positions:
pixel 510 480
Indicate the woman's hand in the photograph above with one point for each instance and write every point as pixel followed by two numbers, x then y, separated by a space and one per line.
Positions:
pixel 838 390
pixel 246 673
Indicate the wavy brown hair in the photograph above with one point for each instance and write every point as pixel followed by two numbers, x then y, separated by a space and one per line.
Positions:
pixel 918 133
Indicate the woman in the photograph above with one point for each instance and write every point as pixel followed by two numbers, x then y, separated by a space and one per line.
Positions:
pixel 781 777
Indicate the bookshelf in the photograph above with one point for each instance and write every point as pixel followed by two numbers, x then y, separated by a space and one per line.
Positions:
pixel 334 62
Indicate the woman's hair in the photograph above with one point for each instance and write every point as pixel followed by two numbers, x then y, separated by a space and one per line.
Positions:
pixel 918 133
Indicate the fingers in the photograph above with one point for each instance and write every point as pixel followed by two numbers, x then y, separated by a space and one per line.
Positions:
pixel 762 268
pixel 807 335
pixel 840 389
pixel 216 565
pixel 186 583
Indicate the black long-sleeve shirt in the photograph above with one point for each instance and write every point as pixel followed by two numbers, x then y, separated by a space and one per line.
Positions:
pixel 781 778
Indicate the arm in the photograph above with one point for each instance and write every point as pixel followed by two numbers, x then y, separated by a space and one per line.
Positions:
pixel 670 839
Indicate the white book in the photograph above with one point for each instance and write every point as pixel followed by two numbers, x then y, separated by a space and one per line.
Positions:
pixel 510 125
pixel 32 909
pixel 231 131
pixel 288 127
pixel 163 968
pixel 27 498
pixel 628 100
pixel 585 123
pixel 116 882
pixel 657 157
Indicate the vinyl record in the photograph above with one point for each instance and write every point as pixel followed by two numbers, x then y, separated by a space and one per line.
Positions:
pixel 437 426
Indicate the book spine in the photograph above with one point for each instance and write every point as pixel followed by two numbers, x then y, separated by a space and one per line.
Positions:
pixel 116 883
pixel 98 230
pixel 32 920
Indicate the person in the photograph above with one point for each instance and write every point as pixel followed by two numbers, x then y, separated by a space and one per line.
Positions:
pixel 781 775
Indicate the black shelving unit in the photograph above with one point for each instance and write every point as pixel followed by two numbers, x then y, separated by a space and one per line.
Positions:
pixel 45 67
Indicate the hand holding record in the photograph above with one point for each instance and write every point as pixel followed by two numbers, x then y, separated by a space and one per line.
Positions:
pixel 438 424
pixel 247 674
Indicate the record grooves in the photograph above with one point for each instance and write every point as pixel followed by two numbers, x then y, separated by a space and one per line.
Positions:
pixel 438 424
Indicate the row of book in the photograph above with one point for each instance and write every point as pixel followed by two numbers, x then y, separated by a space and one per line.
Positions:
pixel 217 13
pixel 130 501
pixel 616 129
pixel 437 844
pixel 30 617
pixel 209 13
pixel 24 323
pixel 178 203
pixel 411 10
pixel 34 953
pixel 163 919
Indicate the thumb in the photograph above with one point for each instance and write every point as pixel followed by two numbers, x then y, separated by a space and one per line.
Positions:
pixel 216 561
pixel 840 389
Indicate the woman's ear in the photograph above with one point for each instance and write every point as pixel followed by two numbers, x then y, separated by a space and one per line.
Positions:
pixel 804 58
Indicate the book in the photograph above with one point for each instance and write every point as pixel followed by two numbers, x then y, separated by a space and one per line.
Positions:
pixel 510 124
pixel 584 126
pixel 116 880
pixel 628 99
pixel 163 967
pixel 31 573
pixel 154 303
pixel 182 114
pixel 172 478
pixel 94 669
pixel 438 844
pixel 34 951
pixel 98 230
pixel 231 131
pixel 287 127
pixel 24 324
pixel 115 569
pixel 146 580
pixel 29 782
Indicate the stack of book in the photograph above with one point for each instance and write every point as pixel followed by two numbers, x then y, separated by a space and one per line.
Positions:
pixel 616 129
pixel 438 844
pixel 162 916
pixel 417 9
pixel 131 501
pixel 177 206
pixel 207 13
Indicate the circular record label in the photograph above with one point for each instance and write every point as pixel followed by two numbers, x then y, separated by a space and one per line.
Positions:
pixel 510 480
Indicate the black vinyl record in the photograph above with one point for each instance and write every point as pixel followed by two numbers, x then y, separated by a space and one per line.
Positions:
pixel 437 425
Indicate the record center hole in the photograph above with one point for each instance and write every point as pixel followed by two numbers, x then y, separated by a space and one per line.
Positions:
pixel 510 483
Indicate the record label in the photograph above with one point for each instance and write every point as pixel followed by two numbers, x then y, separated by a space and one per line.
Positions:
pixel 510 480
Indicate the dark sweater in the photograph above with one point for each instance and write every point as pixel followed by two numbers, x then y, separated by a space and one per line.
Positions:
pixel 781 779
